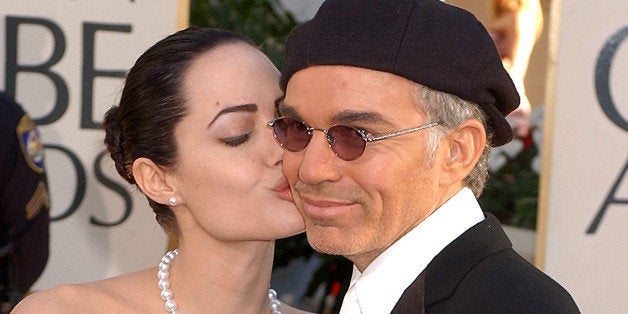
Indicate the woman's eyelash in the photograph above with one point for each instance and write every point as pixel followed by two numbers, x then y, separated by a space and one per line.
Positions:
pixel 237 140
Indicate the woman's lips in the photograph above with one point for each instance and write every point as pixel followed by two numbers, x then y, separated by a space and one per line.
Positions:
pixel 282 190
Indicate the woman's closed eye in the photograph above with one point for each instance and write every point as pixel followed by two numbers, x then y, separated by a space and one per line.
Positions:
pixel 237 140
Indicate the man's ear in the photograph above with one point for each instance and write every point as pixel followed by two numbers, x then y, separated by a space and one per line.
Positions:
pixel 464 147
pixel 151 179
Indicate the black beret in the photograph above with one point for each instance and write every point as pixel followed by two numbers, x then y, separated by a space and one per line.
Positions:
pixel 427 41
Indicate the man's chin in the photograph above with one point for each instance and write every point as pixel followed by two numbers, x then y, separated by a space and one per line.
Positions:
pixel 328 243
pixel 329 249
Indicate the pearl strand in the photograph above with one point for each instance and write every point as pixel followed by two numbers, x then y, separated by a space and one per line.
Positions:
pixel 166 294
pixel 164 283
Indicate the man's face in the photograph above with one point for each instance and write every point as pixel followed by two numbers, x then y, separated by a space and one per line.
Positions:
pixel 358 208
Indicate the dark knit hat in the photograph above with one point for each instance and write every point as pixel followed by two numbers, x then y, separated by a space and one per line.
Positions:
pixel 429 42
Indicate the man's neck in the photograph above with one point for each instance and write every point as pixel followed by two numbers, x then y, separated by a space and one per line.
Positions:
pixel 363 260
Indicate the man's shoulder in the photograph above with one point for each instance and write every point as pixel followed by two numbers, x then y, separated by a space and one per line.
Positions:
pixel 511 282
pixel 481 270
pixel 503 282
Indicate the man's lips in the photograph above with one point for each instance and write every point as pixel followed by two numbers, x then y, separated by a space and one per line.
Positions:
pixel 321 208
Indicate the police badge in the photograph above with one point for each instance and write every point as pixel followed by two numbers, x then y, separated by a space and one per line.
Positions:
pixel 32 148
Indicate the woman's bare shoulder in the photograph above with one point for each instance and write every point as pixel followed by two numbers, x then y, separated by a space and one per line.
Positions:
pixel 121 292
pixel 66 298
pixel 286 309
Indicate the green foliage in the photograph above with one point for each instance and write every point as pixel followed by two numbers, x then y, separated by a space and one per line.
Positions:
pixel 266 22
pixel 511 193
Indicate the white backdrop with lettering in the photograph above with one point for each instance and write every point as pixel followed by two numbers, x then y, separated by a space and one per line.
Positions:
pixel 64 61
pixel 584 238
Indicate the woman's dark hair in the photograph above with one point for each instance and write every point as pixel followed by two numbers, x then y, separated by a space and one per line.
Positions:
pixel 153 102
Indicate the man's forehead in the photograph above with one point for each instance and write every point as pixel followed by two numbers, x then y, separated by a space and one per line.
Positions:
pixel 348 84
pixel 343 72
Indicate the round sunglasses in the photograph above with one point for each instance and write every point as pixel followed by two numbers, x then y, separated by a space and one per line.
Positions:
pixel 348 143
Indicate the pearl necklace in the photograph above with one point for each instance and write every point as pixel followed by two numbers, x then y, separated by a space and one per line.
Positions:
pixel 167 296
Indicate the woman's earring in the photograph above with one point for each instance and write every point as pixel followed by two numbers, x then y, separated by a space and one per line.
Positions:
pixel 172 200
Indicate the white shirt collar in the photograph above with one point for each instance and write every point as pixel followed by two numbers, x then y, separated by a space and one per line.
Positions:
pixel 386 278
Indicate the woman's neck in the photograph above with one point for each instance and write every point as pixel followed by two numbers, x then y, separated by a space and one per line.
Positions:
pixel 222 277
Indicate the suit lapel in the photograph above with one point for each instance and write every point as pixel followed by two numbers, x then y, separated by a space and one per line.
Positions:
pixel 439 280
pixel 412 299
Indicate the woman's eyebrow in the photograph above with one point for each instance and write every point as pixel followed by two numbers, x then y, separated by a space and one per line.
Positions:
pixel 236 108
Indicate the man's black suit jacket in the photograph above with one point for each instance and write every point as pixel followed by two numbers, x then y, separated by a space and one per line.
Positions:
pixel 479 272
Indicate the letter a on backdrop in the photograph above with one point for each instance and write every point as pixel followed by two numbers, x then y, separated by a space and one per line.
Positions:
pixel 583 242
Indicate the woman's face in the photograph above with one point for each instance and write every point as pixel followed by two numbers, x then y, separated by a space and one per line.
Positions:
pixel 228 176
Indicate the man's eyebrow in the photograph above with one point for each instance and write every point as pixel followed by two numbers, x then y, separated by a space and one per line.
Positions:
pixel 286 110
pixel 352 116
pixel 236 108
pixel 342 117
pixel 279 100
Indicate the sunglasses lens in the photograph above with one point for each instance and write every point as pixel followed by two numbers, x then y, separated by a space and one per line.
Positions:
pixel 346 142
pixel 291 134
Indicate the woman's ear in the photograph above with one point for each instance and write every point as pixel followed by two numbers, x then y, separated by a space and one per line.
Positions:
pixel 465 145
pixel 151 179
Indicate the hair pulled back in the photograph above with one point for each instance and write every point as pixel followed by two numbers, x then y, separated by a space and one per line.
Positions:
pixel 153 102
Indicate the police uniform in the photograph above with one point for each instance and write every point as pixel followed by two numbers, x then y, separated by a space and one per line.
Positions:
pixel 24 203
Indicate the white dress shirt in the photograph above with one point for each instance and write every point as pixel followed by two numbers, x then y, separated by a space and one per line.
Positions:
pixel 377 290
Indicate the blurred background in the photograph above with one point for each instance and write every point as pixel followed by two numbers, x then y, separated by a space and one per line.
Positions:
pixel 64 61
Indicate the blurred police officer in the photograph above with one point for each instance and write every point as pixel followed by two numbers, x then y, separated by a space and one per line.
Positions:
pixel 24 204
